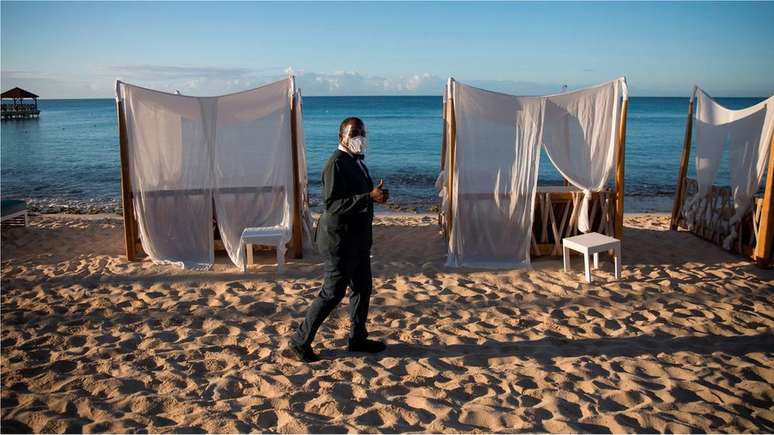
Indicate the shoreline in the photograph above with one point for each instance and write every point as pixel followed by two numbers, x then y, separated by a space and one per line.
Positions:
pixel 635 203
pixel 377 214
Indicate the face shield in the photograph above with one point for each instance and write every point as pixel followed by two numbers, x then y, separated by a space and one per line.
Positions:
pixel 355 139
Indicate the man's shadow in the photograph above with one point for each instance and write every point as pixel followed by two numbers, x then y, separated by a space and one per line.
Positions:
pixel 546 349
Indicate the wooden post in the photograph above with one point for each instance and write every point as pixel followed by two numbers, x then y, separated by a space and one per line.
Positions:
pixel 296 242
pixel 680 190
pixel 130 235
pixel 763 247
pixel 619 171
pixel 443 135
pixel 452 158
pixel 441 222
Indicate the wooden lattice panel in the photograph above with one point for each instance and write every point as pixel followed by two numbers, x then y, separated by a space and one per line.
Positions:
pixel 713 213
pixel 556 217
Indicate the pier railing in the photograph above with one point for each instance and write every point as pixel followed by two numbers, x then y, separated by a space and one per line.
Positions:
pixel 19 110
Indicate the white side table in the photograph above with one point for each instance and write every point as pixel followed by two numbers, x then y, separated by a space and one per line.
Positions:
pixel 273 236
pixel 591 243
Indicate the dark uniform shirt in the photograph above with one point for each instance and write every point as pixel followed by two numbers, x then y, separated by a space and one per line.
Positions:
pixel 345 225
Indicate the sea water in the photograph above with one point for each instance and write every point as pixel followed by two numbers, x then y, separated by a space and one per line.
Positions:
pixel 68 159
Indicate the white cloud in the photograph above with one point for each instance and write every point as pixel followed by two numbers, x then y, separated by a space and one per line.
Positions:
pixel 56 84
pixel 194 80
pixel 212 80
pixel 352 83
pixel 99 82
pixel 215 80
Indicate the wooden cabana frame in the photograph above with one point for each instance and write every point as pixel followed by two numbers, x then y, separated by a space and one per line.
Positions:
pixel 296 240
pixel 680 189
pixel 132 244
pixel 555 212
pixel 755 231
pixel 448 156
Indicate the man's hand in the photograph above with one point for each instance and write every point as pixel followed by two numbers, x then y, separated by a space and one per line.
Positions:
pixel 379 195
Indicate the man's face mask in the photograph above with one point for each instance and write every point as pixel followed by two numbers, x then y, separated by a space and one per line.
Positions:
pixel 358 144
pixel 355 140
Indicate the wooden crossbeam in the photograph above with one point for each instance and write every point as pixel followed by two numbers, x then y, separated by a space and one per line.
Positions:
pixel 593 213
pixel 557 236
pixel 544 214
pixel 565 215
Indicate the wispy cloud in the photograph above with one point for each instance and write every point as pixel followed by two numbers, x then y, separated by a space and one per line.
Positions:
pixel 216 80
pixel 353 83
pixel 178 71
pixel 194 80
pixel 519 87
pixel 54 84
pixel 210 80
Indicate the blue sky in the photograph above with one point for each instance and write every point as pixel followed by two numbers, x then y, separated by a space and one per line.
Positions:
pixel 76 50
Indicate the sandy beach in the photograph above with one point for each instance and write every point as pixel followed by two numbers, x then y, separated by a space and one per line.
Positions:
pixel 681 343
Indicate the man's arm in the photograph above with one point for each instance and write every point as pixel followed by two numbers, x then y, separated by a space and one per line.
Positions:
pixel 337 202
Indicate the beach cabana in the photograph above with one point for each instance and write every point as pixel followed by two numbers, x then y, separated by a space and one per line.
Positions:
pixel 191 166
pixel 737 217
pixel 23 104
pixel 493 213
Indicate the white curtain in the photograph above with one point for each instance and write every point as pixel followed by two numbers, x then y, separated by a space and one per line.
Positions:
pixel 188 153
pixel 580 132
pixel 252 161
pixel 497 157
pixel 169 163
pixel 746 135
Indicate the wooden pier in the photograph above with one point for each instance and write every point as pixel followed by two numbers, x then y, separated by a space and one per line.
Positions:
pixel 16 105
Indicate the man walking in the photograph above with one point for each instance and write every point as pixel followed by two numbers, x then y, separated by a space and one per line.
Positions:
pixel 344 238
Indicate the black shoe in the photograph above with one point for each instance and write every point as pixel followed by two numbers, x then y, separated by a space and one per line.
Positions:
pixel 304 353
pixel 370 346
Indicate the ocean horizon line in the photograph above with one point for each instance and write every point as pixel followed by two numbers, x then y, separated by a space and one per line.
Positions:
pixel 393 96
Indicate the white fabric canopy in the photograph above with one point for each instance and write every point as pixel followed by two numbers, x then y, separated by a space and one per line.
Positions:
pixel 169 164
pixel 252 164
pixel 497 157
pixel 746 135
pixel 579 132
pixel 188 153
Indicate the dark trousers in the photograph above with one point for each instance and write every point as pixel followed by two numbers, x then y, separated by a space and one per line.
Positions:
pixel 352 270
